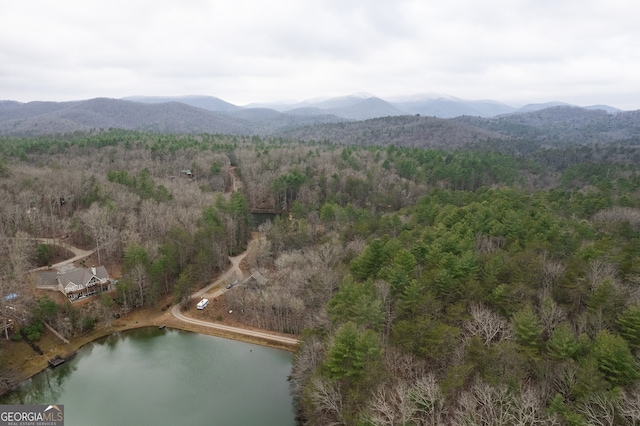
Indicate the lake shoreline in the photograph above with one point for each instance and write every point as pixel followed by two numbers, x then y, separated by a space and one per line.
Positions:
pixel 157 376
pixel 154 317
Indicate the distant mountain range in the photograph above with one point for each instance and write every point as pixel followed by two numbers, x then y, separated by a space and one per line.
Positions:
pixel 38 118
pixel 363 106
pixel 355 119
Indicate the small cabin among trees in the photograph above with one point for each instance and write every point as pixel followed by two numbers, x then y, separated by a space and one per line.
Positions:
pixel 83 282
pixel 255 281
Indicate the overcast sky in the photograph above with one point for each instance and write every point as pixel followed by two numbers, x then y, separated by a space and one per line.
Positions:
pixel 516 51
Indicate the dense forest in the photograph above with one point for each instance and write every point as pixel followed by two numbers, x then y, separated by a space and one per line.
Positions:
pixel 493 282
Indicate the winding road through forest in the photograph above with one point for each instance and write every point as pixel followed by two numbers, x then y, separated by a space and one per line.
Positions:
pixel 217 288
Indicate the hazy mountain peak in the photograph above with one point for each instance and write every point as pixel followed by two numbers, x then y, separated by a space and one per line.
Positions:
pixel 421 97
pixel 361 95
pixel 543 105
pixel 607 108
pixel 210 103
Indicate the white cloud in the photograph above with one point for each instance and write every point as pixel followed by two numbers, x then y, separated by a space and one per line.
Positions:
pixel 247 50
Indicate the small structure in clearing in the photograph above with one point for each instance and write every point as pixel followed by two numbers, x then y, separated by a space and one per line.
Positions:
pixel 255 281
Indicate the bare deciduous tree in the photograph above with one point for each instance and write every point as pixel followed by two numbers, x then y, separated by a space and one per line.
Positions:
pixel 384 293
pixel 139 278
pixel 392 405
pixel 429 401
pixel 16 284
pixel 486 244
pixel 620 214
pixel 487 325
pixel 404 365
pixel 259 253
pixel 552 271
pixel 566 378
pixel 551 314
pixel 484 404
pixel 21 253
pixel 630 405
pixel 307 360
pixel 327 401
pixel 599 409
pixel 600 272
pixel 96 221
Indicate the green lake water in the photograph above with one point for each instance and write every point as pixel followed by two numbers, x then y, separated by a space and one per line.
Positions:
pixel 166 377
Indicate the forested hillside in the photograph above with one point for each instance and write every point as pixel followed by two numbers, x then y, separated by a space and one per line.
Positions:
pixel 493 283
pixel 548 127
pixel 564 124
pixel 406 130
pixel 47 118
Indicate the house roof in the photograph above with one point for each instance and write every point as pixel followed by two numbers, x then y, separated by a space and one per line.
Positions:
pixel 258 278
pixel 79 278
pixel 47 278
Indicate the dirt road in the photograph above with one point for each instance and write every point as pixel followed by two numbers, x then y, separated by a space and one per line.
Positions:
pixel 217 288
pixel 77 252
pixel 265 335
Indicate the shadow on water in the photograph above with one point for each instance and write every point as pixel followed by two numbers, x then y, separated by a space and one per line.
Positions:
pixel 42 388
pixel 137 335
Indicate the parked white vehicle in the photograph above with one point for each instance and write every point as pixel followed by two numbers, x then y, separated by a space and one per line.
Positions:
pixel 202 304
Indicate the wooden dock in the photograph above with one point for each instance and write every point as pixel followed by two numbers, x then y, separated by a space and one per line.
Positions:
pixel 54 362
